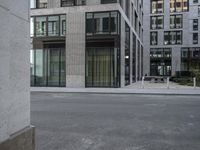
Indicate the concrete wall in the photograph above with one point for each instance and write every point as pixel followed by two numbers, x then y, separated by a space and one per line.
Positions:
pixel 14 67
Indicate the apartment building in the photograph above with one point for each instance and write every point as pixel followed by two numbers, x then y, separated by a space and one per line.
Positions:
pixel 86 43
pixel 171 40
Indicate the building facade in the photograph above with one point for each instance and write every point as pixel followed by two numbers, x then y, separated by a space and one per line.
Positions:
pixel 171 40
pixel 16 133
pixel 86 43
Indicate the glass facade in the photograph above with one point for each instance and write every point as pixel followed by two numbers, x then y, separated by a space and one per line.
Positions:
pixel 103 49
pixel 42 26
pixel 160 62
pixel 48 67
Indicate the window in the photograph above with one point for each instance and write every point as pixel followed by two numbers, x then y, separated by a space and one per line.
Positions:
pixel 195 1
pixel 157 6
pixel 102 23
pixel 38 3
pixel 40 26
pixel 195 38
pixel 53 25
pixel 48 67
pixel 134 58
pixel 154 38
pixel 127 54
pixel 160 62
pixel 108 1
pixel 172 37
pixel 195 24
pixel 48 26
pixel 32 31
pixel 176 21
pixel 67 3
pixel 199 10
pixel 190 59
pixel 157 22
pixel 179 5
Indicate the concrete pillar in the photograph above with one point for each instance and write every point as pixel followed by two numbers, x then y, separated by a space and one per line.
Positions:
pixel 75 50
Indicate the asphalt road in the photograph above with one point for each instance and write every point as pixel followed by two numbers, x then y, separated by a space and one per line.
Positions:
pixel 115 122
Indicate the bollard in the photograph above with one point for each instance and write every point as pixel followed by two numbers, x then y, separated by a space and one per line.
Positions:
pixel 194 81
pixel 168 82
pixel 143 82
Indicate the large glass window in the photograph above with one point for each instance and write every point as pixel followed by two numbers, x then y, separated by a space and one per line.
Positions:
pixel 48 26
pixel 48 67
pixel 190 59
pixel 157 22
pixel 157 6
pixel 100 67
pixel 160 62
pixel 179 5
pixel 172 37
pixel 102 23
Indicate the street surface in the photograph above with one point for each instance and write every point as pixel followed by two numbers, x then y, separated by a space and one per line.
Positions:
pixel 115 122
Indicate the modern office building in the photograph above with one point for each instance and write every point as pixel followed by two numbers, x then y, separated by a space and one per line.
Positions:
pixel 86 43
pixel 171 40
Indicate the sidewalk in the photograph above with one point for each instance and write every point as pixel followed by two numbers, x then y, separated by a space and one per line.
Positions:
pixel 136 88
